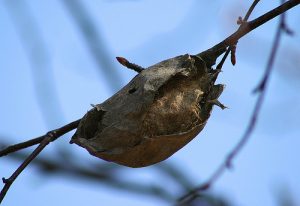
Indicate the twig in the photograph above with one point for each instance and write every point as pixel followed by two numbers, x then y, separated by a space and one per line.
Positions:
pixel 130 65
pixel 22 145
pixel 29 143
pixel 247 27
pixel 250 10
pixel 241 21
pixel 245 138
pixel 49 137
pixel 105 173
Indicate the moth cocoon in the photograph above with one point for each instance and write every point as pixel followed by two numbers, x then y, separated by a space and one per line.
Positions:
pixel 157 113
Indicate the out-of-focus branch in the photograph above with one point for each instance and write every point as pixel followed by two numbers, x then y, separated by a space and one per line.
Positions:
pixel 107 174
pixel 95 43
pixel 99 174
pixel 51 166
pixel 39 58
pixel 253 121
pixel 177 175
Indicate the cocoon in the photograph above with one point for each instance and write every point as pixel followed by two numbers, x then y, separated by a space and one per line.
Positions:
pixel 157 113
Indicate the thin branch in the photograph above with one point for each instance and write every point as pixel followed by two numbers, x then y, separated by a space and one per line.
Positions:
pixel 240 21
pixel 253 121
pixel 35 47
pixel 282 27
pixel 247 27
pixel 49 137
pixel 37 140
pixel 94 41
pixel 250 10
pixel 130 65
pixel 251 25
pixel 176 174
pixel 22 145
pixel 245 19
pixel 107 174
pixel 104 173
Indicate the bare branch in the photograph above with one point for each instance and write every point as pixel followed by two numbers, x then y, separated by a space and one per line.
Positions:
pixel 245 19
pixel 37 52
pixel 245 138
pixel 103 173
pixel 38 140
pixel 245 28
pixel 250 10
pixel 22 145
pixel 94 41
pixel 49 137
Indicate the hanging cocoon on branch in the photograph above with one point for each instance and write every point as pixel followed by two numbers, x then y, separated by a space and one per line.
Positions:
pixel 157 113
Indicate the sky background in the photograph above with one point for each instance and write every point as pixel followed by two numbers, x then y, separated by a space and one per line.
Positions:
pixel 49 76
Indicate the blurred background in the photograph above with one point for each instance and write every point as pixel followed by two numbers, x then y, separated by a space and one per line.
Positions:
pixel 58 57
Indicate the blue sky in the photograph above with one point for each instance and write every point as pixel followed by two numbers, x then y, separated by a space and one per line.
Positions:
pixel 146 32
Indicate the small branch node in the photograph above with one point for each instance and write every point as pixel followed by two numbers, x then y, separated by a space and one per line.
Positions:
pixel 240 21
pixel 43 141
pixel 286 29
pixel 205 186
pixel 4 180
